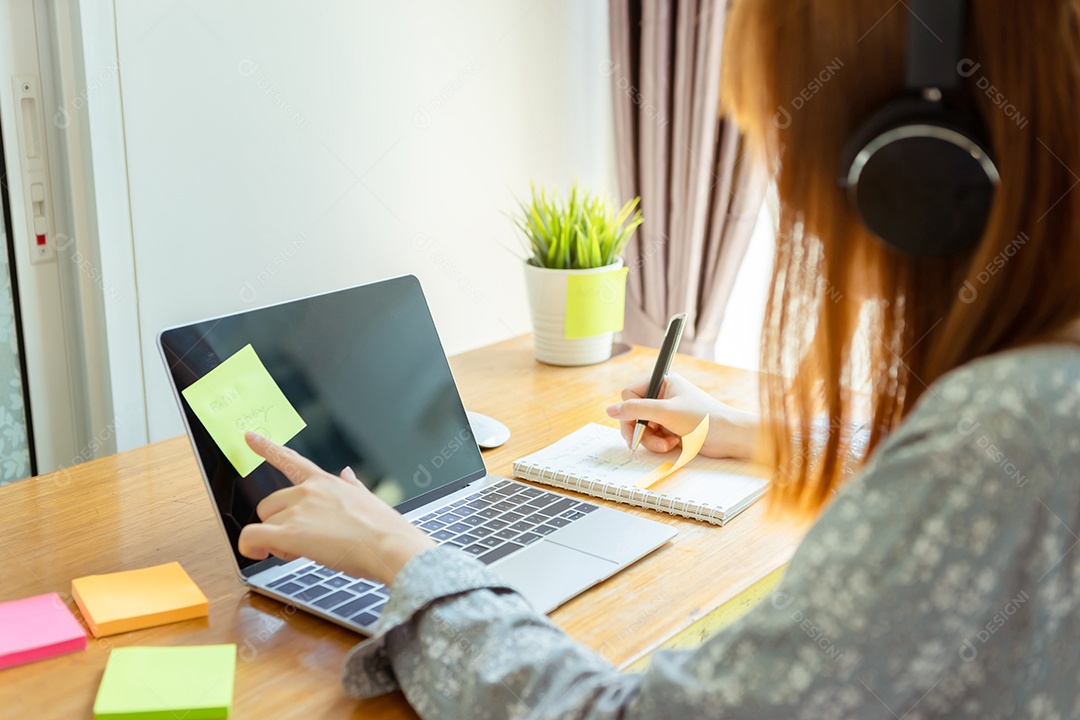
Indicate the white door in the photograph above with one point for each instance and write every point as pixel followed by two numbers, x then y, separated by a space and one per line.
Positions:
pixel 44 423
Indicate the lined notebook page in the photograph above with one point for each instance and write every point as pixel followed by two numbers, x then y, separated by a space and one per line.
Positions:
pixel 599 453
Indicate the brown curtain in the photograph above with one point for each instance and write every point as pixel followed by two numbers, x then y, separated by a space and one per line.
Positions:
pixel 700 195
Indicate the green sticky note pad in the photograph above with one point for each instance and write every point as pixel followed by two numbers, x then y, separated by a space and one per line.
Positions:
pixel 595 303
pixel 240 395
pixel 152 683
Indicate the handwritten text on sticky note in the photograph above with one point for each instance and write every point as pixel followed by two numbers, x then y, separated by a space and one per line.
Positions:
pixel 595 303
pixel 240 395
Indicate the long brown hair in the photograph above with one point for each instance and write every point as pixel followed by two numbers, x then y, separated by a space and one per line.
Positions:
pixel 799 77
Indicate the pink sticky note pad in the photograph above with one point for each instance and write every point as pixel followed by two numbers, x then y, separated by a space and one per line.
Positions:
pixel 37 628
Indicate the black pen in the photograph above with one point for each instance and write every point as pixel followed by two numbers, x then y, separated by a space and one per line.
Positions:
pixel 660 370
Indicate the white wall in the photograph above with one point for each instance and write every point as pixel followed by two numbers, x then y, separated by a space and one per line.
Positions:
pixel 276 149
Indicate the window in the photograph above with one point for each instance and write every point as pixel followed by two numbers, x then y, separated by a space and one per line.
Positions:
pixel 739 344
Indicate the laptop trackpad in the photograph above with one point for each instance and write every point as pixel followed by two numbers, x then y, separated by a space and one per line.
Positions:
pixel 548 574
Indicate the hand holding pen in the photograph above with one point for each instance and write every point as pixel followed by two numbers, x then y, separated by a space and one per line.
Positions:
pixel 677 409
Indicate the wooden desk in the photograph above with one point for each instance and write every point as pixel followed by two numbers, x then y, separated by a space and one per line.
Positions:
pixel 149 506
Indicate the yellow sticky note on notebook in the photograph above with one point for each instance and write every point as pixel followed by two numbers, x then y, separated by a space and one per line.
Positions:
pixel 136 599
pixel 595 303
pixel 691 446
pixel 240 395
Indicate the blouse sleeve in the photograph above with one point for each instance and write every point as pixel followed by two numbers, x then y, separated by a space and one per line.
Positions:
pixel 872 618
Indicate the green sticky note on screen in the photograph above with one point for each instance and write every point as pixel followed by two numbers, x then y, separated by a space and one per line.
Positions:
pixel 595 303
pixel 240 395
pixel 152 683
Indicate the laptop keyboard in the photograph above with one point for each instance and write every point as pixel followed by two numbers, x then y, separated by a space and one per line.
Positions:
pixel 500 519
pixel 359 601
pixel 489 525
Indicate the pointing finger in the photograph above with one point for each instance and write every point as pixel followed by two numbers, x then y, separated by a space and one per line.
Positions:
pixel 292 464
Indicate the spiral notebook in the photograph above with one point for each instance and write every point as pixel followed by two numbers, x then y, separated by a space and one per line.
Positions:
pixel 595 460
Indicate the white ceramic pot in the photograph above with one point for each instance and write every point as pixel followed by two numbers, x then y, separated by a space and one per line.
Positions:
pixel 547 302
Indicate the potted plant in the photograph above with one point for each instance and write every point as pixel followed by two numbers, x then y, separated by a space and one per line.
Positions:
pixel 574 272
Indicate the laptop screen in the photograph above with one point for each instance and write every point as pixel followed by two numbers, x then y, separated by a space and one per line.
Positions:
pixel 366 372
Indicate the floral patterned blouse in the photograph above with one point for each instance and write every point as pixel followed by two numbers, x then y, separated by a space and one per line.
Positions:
pixel 941 582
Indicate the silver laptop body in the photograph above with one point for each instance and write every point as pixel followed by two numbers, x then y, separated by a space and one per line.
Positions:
pixel 369 358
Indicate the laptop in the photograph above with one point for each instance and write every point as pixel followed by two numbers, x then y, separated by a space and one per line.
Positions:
pixel 365 369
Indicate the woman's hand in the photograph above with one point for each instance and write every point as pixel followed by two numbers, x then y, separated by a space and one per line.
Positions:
pixel 335 521
pixel 678 410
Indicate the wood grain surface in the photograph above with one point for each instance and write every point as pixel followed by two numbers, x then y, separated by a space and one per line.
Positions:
pixel 149 506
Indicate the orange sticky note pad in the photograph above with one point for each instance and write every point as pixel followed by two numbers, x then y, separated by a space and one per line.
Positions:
pixel 137 599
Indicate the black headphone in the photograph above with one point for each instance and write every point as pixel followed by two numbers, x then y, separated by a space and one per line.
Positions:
pixel 920 171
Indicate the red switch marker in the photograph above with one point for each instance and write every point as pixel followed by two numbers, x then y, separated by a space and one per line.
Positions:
pixel 40 240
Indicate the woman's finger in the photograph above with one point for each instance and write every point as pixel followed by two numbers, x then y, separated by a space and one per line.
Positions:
pixel 349 476
pixel 655 438
pixel 275 502
pixel 657 411
pixel 659 443
pixel 260 540
pixel 292 464
pixel 640 389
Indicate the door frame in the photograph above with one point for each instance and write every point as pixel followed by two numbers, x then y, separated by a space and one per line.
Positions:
pixel 76 416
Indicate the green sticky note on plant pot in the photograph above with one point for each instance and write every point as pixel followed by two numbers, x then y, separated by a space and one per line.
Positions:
pixel 240 395
pixel 595 303
pixel 151 683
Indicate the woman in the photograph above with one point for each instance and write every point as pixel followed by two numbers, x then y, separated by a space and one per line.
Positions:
pixel 944 570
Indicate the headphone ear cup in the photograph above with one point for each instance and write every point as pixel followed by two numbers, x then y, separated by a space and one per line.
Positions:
pixel 920 178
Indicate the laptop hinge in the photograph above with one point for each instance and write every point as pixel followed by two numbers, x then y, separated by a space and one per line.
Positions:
pixel 270 562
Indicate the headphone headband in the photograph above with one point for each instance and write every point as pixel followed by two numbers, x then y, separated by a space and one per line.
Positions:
pixel 935 44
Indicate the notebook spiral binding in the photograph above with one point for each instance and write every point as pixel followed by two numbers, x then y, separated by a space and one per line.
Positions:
pixel 661 502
